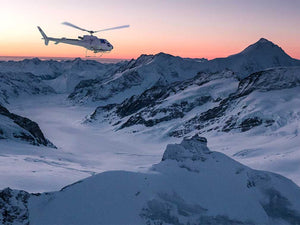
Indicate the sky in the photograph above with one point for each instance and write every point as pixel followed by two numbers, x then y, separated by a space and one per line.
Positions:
pixel 186 28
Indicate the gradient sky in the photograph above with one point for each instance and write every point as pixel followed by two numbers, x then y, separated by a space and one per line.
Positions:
pixel 188 28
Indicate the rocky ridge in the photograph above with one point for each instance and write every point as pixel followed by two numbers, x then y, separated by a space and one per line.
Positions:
pixel 20 128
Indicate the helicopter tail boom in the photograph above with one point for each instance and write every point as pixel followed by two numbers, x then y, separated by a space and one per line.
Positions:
pixel 44 36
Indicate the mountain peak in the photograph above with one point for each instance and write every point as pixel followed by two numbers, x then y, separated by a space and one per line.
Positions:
pixel 190 148
pixel 34 60
pixel 162 54
pixel 264 40
pixel 78 59
pixel 263 45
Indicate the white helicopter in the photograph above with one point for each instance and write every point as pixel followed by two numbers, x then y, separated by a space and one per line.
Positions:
pixel 89 42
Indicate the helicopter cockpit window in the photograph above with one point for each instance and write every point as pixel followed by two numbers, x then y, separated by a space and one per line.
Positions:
pixel 102 41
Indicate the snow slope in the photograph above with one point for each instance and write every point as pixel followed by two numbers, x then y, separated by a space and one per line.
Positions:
pixel 191 185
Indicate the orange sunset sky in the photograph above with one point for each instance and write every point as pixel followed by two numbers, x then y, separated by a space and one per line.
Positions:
pixel 187 28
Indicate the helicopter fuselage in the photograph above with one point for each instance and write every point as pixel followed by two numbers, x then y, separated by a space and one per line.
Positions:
pixel 89 42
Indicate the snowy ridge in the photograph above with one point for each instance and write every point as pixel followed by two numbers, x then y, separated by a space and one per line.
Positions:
pixel 191 185
pixel 262 99
pixel 211 103
pixel 135 77
pixel 166 103
pixel 148 71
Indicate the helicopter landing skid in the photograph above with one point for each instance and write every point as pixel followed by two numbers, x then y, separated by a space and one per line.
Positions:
pixel 93 55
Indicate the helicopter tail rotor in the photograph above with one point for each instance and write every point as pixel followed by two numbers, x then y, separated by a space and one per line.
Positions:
pixel 44 36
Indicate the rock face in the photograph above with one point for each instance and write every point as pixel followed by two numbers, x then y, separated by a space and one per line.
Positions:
pixel 20 128
pixel 191 185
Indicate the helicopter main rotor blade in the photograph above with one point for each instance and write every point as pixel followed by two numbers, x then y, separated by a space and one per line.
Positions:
pixel 112 28
pixel 74 26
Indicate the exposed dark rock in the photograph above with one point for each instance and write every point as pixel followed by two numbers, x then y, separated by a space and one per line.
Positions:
pixel 249 123
pixel 278 207
pixel 13 207
pixel 35 135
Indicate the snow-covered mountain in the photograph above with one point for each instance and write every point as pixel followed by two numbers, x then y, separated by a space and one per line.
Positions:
pixel 266 100
pixel 90 81
pixel 191 185
pixel 162 69
pixel 135 77
pixel 259 56
pixel 18 128
pixel 62 76
pixel 24 84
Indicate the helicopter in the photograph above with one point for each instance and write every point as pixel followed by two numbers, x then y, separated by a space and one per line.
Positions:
pixel 89 42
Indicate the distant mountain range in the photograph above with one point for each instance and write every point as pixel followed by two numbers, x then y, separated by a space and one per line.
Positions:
pixel 147 71
pixel 215 99
pixel 182 95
